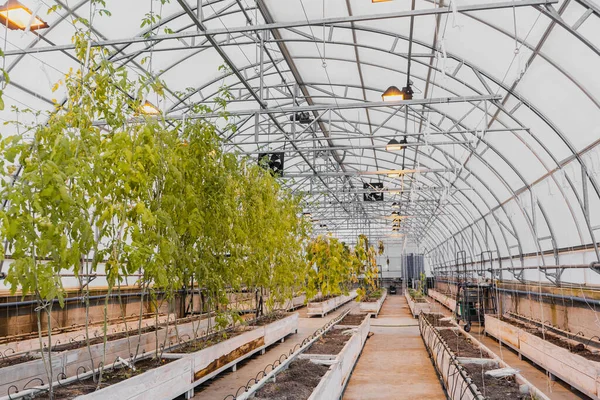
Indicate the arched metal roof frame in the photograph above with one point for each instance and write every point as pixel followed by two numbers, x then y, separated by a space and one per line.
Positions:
pixel 576 155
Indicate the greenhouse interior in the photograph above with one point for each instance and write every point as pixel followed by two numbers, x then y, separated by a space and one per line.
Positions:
pixel 300 199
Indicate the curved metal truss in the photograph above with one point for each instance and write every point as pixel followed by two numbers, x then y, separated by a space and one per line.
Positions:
pixel 461 188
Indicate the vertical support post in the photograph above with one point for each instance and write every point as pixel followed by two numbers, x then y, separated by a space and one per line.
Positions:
pixel 261 83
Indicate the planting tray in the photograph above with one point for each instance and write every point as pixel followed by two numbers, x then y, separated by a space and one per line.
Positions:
pixel 456 380
pixel 296 302
pixel 373 306
pixel 449 302
pixel 417 308
pixel 572 368
pixel 69 361
pixel 181 376
pixel 323 307
pixel 33 344
pixel 335 380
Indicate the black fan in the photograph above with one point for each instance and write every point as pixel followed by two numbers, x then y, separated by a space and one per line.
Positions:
pixel 302 117
pixel 272 161
pixel 373 196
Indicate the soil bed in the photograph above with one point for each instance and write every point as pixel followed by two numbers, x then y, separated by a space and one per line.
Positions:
pixel 352 319
pixel 494 388
pixel 460 345
pixel 267 319
pixel 436 320
pixel 109 377
pixel 207 341
pixel 330 343
pixel 100 339
pixel 8 361
pixel 578 349
pixel 295 383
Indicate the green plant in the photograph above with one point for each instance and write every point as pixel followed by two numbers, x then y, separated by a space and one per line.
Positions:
pixel 365 262
pixel 331 266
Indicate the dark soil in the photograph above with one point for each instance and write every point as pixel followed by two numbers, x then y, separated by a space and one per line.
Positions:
pixel 330 343
pixel 87 386
pixel 353 319
pixel 295 383
pixel 267 319
pixel 8 361
pixel 419 300
pixel 100 339
pixel 435 320
pixel 460 345
pixel 578 349
pixel 207 341
pixel 494 388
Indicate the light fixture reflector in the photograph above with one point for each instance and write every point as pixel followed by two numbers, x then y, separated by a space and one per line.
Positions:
pixel 15 15
pixel 149 108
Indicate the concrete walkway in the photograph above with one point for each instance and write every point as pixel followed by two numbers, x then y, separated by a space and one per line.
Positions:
pixel 229 382
pixel 394 363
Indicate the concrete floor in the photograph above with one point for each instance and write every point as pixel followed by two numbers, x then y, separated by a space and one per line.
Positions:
pixel 394 363
pixel 555 390
pixel 229 382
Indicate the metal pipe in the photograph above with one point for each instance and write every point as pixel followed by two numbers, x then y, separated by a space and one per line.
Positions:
pixel 552 296
pixel 80 298
pixel 293 24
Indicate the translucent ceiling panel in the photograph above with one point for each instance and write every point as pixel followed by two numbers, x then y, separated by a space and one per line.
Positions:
pixel 518 154
pixel 484 47
pixel 556 96
pixel 127 17
pixel 296 10
pixel 590 29
pixel 549 147
pixel 580 62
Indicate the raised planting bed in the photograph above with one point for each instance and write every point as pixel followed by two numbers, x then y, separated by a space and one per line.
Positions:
pixel 417 305
pixel 567 359
pixel 75 355
pixel 445 300
pixel 373 306
pixel 33 344
pixel 295 302
pixel 463 362
pixel 323 307
pixel 439 320
pixel 177 374
pixel 321 371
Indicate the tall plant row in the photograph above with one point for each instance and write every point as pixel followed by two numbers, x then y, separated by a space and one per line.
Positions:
pixel 334 267
pixel 138 196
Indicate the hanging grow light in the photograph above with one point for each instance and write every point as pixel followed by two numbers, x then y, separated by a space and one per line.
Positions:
pixel 149 108
pixel 395 205
pixel 394 145
pixel 394 94
pixel 15 15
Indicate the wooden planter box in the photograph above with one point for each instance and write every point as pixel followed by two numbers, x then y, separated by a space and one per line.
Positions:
pixel 181 376
pixel 22 346
pixel 335 380
pixel 69 361
pixel 417 308
pixel 450 371
pixel 449 302
pixel 296 302
pixel 373 306
pixel 574 369
pixel 323 307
